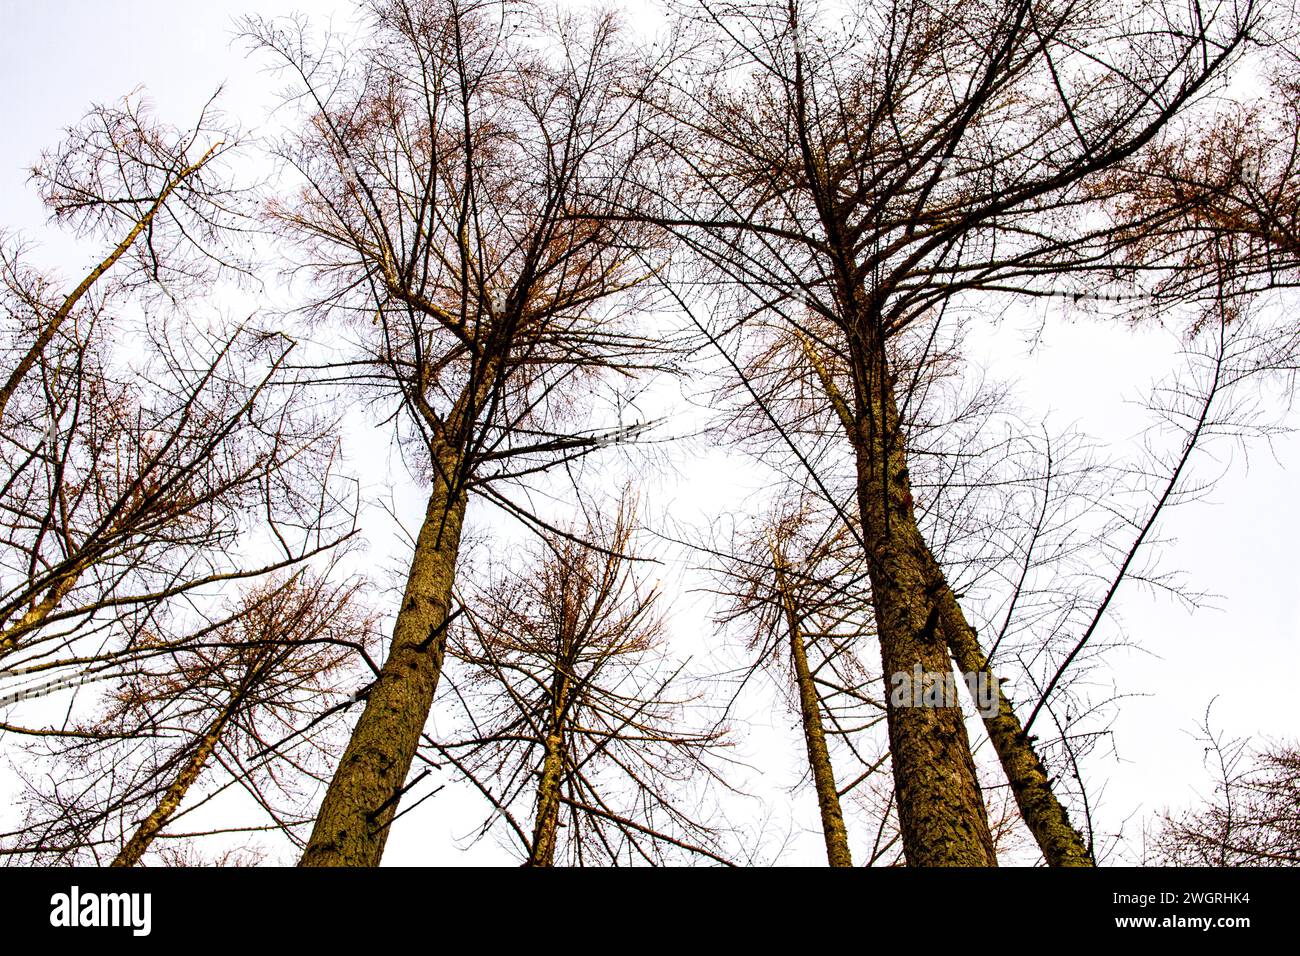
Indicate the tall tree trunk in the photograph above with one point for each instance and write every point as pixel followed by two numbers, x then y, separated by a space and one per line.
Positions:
pixel 352 826
pixel 1060 842
pixel 151 825
pixel 548 803
pixel 548 787
pixel 819 758
pixel 941 811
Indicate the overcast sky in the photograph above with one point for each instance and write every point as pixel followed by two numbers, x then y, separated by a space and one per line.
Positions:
pixel 58 57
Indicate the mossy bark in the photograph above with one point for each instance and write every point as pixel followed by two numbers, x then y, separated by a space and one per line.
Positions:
pixel 1046 818
pixel 1043 813
pixel 353 823
pixel 546 825
pixel 548 803
pixel 35 616
pixel 814 733
pixel 941 811
pixel 150 827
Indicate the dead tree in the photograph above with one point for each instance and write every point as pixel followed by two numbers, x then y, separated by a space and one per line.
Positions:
pixel 574 710
pixel 794 588
pixel 456 181
pixel 127 491
pixel 238 698
pixel 131 493
pixel 1210 209
pixel 137 452
pixel 151 464
pixel 871 173
pixel 156 194
pixel 1251 818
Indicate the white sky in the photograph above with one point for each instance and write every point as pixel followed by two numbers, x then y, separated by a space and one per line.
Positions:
pixel 57 58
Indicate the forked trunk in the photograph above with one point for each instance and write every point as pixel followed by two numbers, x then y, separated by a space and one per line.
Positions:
pixel 941 811
pixel 1060 842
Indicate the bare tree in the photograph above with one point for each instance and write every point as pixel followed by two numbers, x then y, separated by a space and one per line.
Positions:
pixel 238 698
pixel 457 180
pixel 1252 817
pixel 131 488
pixel 156 460
pixel 140 453
pixel 1210 208
pixel 156 192
pixel 575 709
pixel 870 171
pixel 794 588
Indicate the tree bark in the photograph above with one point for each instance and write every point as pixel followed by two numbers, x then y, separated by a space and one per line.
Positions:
pixel 941 811
pixel 819 758
pixel 35 615
pixel 548 803
pixel 548 787
pixel 1060 842
pixel 352 826
pixel 149 828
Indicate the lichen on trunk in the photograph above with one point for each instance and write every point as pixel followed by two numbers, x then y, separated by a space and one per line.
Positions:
pixel 942 818
pixel 152 825
pixel 353 823
pixel 1046 818
pixel 548 803
pixel 819 758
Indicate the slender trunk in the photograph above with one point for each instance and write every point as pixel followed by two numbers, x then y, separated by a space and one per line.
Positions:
pixel 362 799
pixel 151 825
pixel 548 787
pixel 46 334
pixel 548 803
pixel 941 811
pixel 1060 842
pixel 819 758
